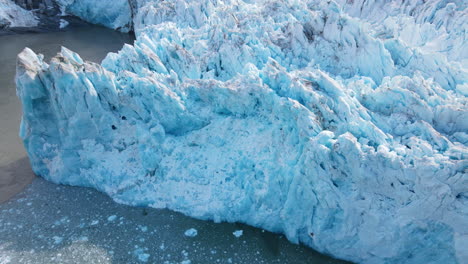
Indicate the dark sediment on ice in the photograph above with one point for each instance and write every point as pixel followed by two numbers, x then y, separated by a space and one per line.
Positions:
pixel 49 17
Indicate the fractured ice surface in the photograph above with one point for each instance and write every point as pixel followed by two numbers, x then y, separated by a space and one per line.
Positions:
pixel 342 131
pixel 11 15
pixel 115 14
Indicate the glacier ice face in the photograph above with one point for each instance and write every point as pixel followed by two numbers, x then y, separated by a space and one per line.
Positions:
pixel 116 14
pixel 12 15
pixel 300 117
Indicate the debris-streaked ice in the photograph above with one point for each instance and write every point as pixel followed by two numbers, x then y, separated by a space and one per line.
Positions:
pixel 343 125
pixel 11 15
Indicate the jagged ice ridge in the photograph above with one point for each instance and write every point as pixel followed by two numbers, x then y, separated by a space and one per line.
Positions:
pixel 343 125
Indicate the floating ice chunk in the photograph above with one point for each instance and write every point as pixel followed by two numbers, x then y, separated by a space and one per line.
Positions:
pixel 111 218
pixel 192 232
pixel 57 239
pixel 238 233
pixel 141 255
pixel 63 23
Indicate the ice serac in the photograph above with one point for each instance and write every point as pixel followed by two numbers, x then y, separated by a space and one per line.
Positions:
pixel 293 116
pixel 12 15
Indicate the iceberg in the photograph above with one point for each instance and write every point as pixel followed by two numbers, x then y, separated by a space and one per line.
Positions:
pixel 319 120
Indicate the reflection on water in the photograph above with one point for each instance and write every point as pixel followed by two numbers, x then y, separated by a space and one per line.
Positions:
pixel 47 223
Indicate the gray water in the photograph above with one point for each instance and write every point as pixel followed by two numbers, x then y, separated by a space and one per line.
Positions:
pixel 41 222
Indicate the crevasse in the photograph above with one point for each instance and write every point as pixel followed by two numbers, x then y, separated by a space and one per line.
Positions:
pixel 326 121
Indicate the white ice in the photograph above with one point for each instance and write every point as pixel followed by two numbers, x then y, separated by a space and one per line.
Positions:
pixel 11 15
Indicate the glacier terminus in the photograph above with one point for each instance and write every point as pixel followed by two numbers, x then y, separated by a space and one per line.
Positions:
pixel 341 124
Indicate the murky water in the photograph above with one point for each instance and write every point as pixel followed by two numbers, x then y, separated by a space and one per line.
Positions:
pixel 48 223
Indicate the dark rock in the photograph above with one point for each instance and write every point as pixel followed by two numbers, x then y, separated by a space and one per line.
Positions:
pixel 4 23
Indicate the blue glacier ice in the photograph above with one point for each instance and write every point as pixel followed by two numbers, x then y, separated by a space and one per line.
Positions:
pixel 116 14
pixel 341 124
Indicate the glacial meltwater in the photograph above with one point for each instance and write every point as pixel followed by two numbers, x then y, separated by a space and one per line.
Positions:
pixel 48 223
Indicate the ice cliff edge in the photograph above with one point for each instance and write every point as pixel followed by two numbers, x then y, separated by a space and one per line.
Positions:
pixel 293 116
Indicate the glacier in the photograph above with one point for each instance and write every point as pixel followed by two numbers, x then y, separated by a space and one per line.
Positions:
pixel 341 124
pixel 115 14
pixel 11 15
